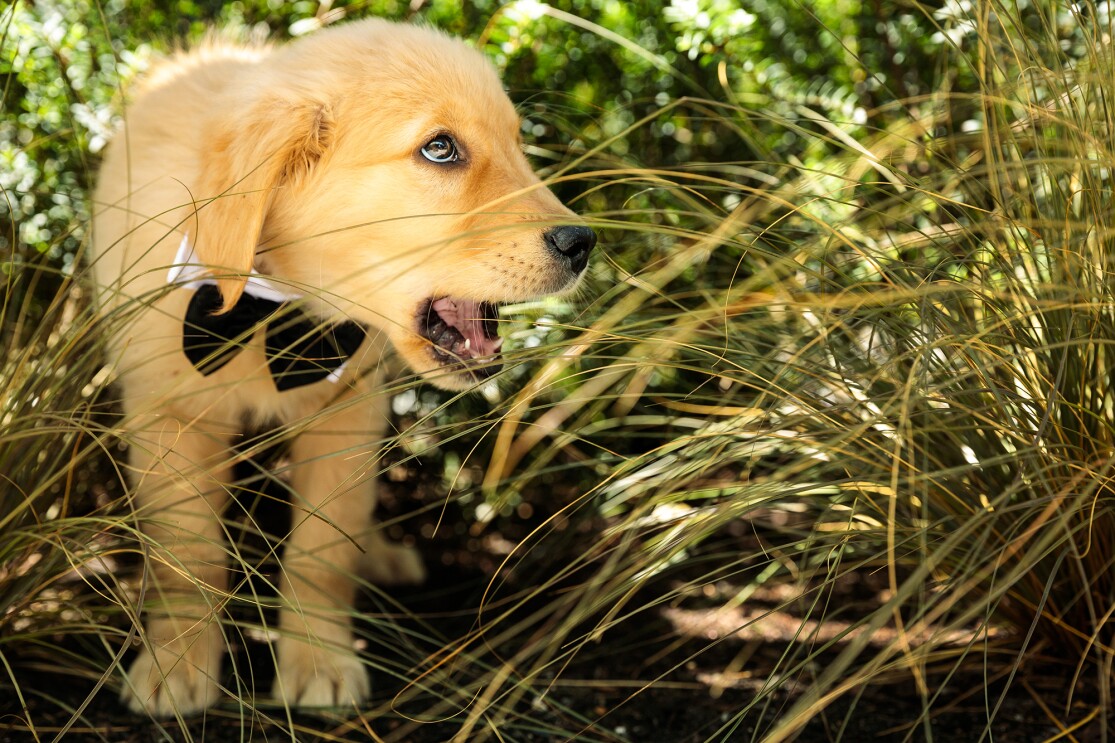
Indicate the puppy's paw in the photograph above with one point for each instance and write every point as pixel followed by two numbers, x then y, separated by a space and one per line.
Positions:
pixel 311 676
pixel 173 680
pixel 387 564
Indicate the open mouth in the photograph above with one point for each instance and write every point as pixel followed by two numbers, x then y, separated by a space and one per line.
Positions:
pixel 462 333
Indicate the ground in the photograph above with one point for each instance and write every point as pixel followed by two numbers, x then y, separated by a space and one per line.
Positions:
pixel 709 661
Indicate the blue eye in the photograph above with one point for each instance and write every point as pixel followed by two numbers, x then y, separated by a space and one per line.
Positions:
pixel 441 149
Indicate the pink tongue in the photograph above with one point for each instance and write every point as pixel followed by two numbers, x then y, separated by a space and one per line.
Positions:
pixel 467 317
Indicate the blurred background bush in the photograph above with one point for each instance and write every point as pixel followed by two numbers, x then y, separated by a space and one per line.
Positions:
pixel 593 68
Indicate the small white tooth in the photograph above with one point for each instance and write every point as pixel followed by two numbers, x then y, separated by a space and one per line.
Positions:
pixel 468 344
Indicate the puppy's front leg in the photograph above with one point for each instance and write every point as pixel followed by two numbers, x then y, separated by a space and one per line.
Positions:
pixel 181 473
pixel 333 483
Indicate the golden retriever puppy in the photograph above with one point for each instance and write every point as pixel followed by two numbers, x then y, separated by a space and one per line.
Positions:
pixel 278 218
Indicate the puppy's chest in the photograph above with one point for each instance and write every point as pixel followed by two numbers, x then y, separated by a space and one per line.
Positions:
pixel 275 368
pixel 243 394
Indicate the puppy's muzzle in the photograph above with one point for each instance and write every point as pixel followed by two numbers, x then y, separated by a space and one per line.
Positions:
pixel 572 244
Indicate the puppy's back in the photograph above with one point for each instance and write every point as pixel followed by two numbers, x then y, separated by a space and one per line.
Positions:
pixel 147 183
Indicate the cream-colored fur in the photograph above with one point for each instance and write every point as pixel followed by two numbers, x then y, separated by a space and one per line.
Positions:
pixel 303 162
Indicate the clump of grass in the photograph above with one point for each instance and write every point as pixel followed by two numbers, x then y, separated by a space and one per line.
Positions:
pixel 59 484
pixel 906 346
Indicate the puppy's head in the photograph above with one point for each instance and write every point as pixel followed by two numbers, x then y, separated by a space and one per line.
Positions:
pixel 379 168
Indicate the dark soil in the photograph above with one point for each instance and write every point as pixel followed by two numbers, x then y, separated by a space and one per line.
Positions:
pixel 689 669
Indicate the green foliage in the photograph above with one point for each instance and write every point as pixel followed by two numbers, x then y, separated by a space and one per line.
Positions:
pixel 585 71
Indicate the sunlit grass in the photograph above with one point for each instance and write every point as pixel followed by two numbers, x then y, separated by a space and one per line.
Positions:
pixel 915 356
pixel 886 367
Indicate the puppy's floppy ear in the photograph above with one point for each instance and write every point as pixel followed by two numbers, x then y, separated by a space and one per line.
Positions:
pixel 249 155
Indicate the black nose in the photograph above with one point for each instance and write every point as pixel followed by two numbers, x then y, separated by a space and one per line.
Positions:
pixel 573 243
